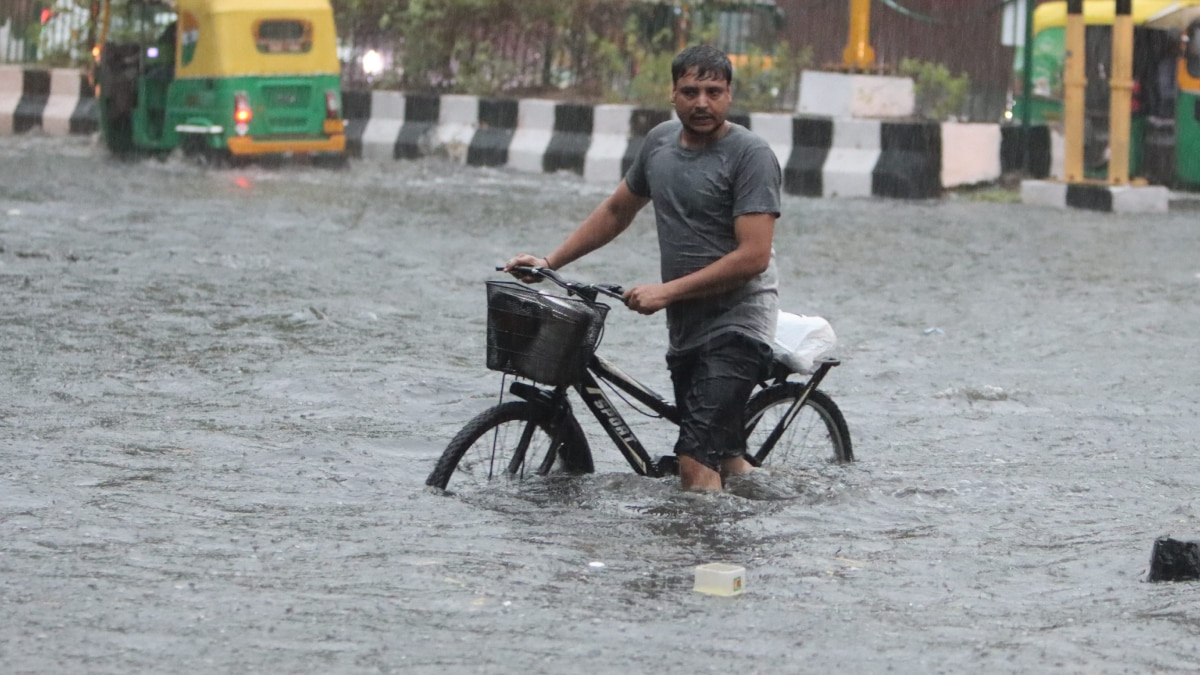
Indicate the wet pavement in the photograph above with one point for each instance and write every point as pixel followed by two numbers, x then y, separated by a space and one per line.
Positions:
pixel 223 390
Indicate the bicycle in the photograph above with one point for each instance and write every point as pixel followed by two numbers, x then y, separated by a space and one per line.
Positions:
pixel 551 340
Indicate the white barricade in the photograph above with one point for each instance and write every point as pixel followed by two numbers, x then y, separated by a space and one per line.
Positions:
pixel 610 139
pixel 65 86
pixel 12 84
pixel 383 129
pixel 851 162
pixel 535 127
pixel 970 153
pixel 458 119
pixel 776 130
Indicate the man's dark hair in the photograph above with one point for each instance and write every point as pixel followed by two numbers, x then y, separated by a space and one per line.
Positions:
pixel 709 62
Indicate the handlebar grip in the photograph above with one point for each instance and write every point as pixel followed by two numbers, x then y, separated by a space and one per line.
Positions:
pixel 525 269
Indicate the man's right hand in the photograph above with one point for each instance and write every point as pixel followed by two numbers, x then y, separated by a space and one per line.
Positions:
pixel 647 298
pixel 526 260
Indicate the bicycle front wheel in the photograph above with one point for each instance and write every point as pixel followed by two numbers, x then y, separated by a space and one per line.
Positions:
pixel 818 433
pixel 509 443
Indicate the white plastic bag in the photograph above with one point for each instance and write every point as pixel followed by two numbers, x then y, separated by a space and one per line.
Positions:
pixel 800 340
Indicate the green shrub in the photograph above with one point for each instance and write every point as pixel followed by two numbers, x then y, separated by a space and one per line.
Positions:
pixel 651 84
pixel 939 94
pixel 763 85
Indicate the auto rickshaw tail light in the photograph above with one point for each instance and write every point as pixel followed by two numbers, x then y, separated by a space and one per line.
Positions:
pixel 331 105
pixel 242 112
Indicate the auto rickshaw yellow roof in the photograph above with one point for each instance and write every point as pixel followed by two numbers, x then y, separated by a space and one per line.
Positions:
pixel 225 6
pixel 1101 12
pixel 217 39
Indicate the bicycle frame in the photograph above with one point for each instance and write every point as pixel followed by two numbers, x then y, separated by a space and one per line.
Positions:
pixel 596 400
pixel 610 418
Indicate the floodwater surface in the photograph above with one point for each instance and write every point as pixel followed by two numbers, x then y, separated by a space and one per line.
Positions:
pixel 223 390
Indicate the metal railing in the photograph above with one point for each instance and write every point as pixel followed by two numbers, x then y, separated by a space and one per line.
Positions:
pixel 56 34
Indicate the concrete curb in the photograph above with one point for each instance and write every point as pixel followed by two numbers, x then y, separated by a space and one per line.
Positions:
pixel 820 156
pixel 1106 198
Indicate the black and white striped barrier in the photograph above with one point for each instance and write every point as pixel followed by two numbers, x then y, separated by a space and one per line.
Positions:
pixel 820 156
pixel 58 101
pixel 858 158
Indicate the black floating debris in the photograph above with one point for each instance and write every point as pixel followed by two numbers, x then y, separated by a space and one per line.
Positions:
pixel 1174 560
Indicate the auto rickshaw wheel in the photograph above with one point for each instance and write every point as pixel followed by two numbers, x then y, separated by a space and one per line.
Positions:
pixel 193 147
pixel 196 149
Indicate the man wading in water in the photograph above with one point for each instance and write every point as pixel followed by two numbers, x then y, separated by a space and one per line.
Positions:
pixel 715 187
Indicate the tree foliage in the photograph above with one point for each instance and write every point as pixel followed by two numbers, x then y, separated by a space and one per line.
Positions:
pixel 586 50
pixel 939 93
pixel 602 50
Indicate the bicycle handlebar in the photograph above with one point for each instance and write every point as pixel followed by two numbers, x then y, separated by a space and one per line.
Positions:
pixel 585 291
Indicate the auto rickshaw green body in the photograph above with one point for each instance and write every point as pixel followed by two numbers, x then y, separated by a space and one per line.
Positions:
pixel 237 78
pixel 1187 108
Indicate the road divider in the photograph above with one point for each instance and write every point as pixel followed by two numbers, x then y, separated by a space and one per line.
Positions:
pixel 820 156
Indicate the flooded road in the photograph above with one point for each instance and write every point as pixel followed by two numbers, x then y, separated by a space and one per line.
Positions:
pixel 223 390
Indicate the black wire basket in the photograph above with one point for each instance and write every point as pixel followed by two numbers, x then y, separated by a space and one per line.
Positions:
pixel 546 338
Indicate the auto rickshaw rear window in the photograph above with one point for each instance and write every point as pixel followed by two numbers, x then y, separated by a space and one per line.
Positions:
pixel 283 36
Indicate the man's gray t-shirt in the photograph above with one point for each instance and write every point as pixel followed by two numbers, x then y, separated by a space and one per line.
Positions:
pixel 697 194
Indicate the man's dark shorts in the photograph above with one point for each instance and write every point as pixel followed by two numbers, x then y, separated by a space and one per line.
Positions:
pixel 712 384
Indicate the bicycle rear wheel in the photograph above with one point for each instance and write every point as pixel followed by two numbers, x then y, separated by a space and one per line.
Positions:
pixel 818 433
pixel 509 443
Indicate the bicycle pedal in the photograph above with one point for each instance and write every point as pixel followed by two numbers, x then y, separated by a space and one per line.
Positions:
pixel 668 465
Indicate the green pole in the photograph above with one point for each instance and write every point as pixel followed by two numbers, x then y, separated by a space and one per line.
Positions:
pixel 1027 85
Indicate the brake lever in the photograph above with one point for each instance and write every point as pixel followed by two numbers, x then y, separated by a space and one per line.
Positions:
pixel 612 289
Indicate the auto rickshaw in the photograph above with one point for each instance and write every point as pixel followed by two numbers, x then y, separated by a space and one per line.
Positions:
pixel 1164 134
pixel 220 79
pixel 1187 105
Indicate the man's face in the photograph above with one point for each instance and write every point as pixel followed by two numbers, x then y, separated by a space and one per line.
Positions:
pixel 701 104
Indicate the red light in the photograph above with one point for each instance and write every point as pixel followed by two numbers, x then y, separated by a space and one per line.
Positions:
pixel 47 14
pixel 331 105
pixel 242 113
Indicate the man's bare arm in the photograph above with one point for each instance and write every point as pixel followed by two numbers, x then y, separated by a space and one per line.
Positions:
pixel 755 233
pixel 612 217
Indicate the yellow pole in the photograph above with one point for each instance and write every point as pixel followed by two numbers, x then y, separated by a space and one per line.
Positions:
pixel 683 24
pixel 1120 95
pixel 98 48
pixel 1074 84
pixel 858 54
pixel 107 11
